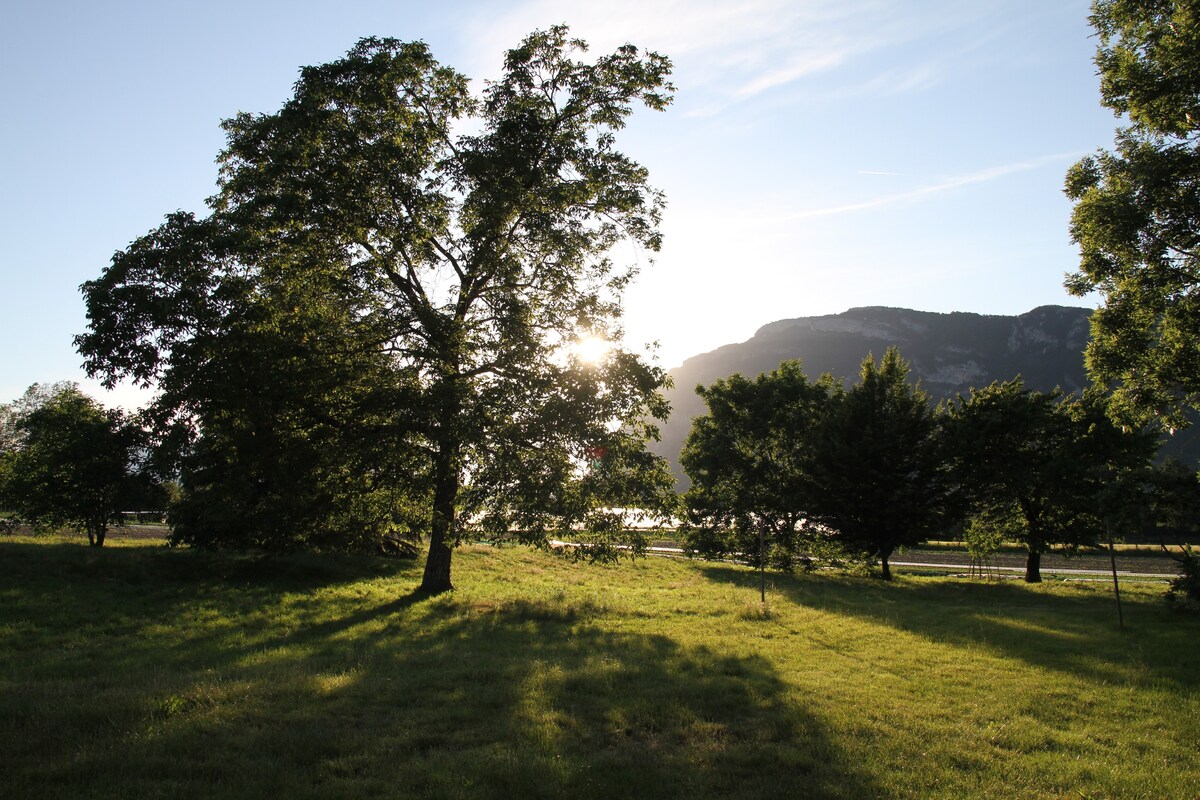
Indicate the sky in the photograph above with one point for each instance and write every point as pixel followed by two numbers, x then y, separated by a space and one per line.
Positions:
pixel 819 155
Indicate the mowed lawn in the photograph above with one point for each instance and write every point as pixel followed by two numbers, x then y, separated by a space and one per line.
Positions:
pixel 142 672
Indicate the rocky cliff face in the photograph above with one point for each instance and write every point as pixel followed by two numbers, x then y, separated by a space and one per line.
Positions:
pixel 949 354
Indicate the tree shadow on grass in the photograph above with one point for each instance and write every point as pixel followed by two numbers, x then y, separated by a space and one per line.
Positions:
pixel 1074 633
pixel 572 710
pixel 411 697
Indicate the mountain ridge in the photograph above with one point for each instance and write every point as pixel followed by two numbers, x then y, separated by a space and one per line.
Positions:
pixel 949 353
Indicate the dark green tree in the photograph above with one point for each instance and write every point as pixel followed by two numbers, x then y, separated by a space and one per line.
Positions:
pixel 1176 502
pixel 1050 470
pixel 471 261
pixel 880 470
pixel 1175 499
pixel 1015 456
pixel 1137 210
pixel 1118 464
pixel 298 432
pixel 75 466
pixel 277 408
pixel 749 460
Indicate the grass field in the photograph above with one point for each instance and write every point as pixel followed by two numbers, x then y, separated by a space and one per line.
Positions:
pixel 137 671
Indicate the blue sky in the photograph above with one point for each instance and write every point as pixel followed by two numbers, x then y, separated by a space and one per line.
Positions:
pixel 819 155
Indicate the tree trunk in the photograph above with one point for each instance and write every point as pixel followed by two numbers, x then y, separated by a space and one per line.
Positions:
pixel 1112 560
pixel 445 496
pixel 883 563
pixel 1033 567
pixel 437 565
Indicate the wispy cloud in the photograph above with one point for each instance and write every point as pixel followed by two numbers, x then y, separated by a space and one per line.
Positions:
pixel 943 185
pixel 727 53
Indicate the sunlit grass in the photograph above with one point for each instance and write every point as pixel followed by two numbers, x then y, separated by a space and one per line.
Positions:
pixel 146 672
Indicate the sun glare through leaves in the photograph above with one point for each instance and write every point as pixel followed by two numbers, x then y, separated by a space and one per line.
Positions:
pixel 591 349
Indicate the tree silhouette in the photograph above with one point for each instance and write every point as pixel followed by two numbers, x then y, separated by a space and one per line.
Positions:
pixel 468 241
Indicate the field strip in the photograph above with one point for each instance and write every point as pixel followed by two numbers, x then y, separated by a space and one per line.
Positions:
pixel 1052 570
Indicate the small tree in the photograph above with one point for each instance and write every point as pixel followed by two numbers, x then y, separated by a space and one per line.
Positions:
pixel 986 532
pixel 879 466
pixel 75 465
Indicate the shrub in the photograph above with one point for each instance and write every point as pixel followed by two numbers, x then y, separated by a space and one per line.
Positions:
pixel 1184 592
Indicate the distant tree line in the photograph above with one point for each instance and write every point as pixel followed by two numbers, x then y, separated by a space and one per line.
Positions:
pixel 783 468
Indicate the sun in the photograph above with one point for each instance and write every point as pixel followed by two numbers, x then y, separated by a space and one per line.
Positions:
pixel 591 349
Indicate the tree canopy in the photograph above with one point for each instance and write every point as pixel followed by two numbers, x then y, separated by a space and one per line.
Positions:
pixel 461 244
pixel 12 436
pixel 750 464
pixel 1137 210
pixel 74 462
pixel 779 462
pixel 1045 469
pixel 879 466
pixel 301 436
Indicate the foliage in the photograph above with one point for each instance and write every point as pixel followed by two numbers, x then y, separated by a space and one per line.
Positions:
pixel 1048 470
pixel 987 531
pixel 464 265
pixel 879 469
pixel 1175 502
pixel 780 463
pixel 1015 460
pixel 750 463
pixel 76 463
pixel 12 437
pixel 1184 592
pixel 1118 464
pixel 1137 210
pixel 301 431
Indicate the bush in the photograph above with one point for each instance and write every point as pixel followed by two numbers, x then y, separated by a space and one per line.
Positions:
pixel 1184 592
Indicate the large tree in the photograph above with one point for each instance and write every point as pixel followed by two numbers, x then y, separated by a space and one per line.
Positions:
pixel 1137 210
pixel 750 464
pixel 76 463
pixel 879 466
pixel 469 237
